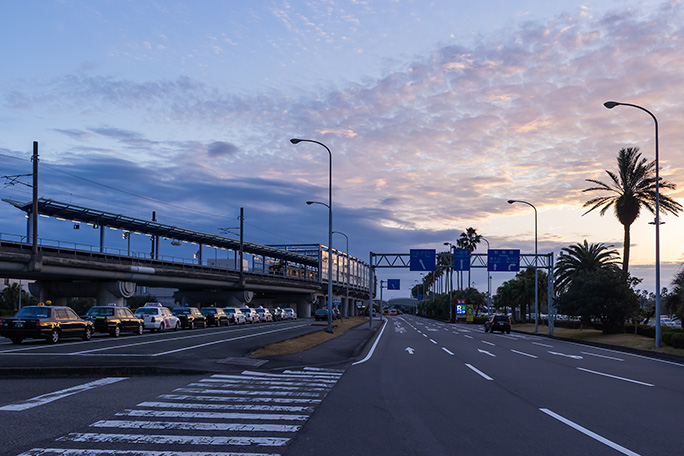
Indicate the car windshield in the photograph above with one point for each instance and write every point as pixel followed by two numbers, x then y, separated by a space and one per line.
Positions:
pixel 230 311
pixel 101 312
pixel 208 311
pixel 504 319
pixel 33 312
pixel 182 311
pixel 147 311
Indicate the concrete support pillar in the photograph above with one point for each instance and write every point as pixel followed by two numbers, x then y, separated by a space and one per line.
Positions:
pixel 103 292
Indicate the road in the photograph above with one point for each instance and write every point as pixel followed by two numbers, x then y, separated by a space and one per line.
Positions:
pixel 425 388
pixel 441 389
pixel 211 349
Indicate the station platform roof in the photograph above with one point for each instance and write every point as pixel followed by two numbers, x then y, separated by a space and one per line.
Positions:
pixel 65 211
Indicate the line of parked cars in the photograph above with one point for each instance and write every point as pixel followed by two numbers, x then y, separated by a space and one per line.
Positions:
pixel 53 323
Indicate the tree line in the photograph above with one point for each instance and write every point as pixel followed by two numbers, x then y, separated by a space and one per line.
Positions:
pixel 591 281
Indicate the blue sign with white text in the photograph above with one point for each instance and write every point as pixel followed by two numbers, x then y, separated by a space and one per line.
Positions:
pixel 392 284
pixel 461 259
pixel 423 260
pixel 501 260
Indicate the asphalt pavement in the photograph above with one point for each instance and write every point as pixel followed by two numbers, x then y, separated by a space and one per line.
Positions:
pixel 228 352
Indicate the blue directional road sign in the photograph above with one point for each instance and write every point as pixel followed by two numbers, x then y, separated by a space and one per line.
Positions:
pixel 461 259
pixel 392 284
pixel 503 260
pixel 423 260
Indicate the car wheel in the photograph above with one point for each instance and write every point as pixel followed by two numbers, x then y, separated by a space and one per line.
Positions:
pixel 116 332
pixel 161 327
pixel 87 334
pixel 508 331
pixel 16 340
pixel 204 324
pixel 177 327
pixel 140 330
pixel 53 338
pixel 191 325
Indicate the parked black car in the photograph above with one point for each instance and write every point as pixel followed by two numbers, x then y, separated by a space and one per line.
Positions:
pixel 114 319
pixel 498 323
pixel 321 314
pixel 190 317
pixel 215 316
pixel 45 322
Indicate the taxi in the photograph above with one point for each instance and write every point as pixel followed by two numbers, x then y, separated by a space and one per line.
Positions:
pixel 190 317
pixel 45 322
pixel 157 317
pixel 114 319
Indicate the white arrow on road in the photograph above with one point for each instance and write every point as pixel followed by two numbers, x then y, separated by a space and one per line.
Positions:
pixel 409 350
pixel 485 351
pixel 567 356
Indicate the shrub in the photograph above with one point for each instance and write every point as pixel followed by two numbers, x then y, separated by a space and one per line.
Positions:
pixel 677 340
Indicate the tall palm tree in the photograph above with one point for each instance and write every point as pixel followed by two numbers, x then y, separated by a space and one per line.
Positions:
pixel 583 258
pixel 469 240
pixel 632 187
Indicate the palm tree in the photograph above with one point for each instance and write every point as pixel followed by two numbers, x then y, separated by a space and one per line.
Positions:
pixel 581 258
pixel 468 240
pixel 631 188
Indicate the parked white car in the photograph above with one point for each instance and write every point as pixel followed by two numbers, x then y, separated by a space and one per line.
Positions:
pixel 157 317
pixel 290 312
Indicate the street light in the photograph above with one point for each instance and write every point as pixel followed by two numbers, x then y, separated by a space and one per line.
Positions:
pixel 536 288
pixel 329 305
pixel 489 281
pixel 611 105
pixel 451 281
pixel 346 304
pixel 330 227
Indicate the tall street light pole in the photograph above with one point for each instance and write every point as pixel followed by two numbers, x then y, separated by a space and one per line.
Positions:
pixel 330 227
pixel 489 281
pixel 329 305
pixel 536 288
pixel 658 334
pixel 346 304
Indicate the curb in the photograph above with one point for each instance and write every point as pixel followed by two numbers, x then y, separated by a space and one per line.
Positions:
pixel 619 348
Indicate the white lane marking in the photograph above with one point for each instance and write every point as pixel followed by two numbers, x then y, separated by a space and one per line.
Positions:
pixel 602 356
pixel 589 433
pixel 466 335
pixel 248 387
pixel 447 351
pixel 269 381
pixel 250 407
pixel 425 335
pixel 196 426
pixel 542 345
pixel 486 352
pixel 212 415
pixel 565 355
pixel 615 377
pixel 322 376
pixel 487 342
pixel 433 341
pixel 479 372
pixel 81 452
pixel 246 336
pixel 375 344
pixel 275 400
pixel 45 398
pixel 83 437
pixel 523 353
pixel 249 393
pixel 409 350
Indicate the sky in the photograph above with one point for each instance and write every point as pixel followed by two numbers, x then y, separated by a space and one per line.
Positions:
pixel 436 113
